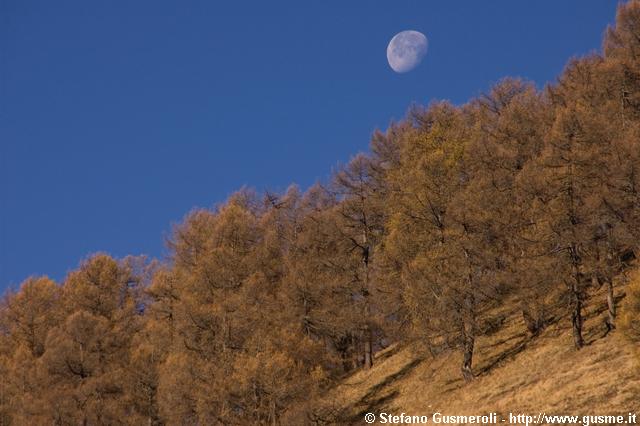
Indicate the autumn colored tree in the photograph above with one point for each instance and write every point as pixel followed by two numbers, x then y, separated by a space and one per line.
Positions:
pixel 31 312
pixel 622 49
pixel 26 317
pixel 84 365
pixel 212 253
pixel 630 321
pixel 231 334
pixel 441 243
pixel 508 127
pixel 318 283
pixel 361 215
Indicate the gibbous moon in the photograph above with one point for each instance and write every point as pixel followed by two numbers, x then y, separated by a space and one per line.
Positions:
pixel 406 50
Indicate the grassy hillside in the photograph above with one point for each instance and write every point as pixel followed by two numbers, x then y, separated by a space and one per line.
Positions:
pixel 514 373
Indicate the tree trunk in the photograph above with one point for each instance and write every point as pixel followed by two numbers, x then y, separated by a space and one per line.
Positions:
pixel 355 353
pixel 468 323
pixel 611 307
pixel 273 414
pixel 576 318
pixel 467 357
pixel 368 352
pixel 346 362
pixel 368 336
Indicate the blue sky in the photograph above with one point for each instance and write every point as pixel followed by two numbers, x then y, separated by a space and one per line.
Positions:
pixel 119 117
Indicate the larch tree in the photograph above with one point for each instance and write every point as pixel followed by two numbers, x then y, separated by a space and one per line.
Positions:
pixel 85 361
pixel 567 182
pixel 360 228
pixel 432 238
pixel 26 317
pixel 212 253
pixel 317 282
pixel 508 128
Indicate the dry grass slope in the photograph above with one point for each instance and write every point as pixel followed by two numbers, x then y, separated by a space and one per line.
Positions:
pixel 514 373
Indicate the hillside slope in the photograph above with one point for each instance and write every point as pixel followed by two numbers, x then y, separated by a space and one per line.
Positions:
pixel 514 373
